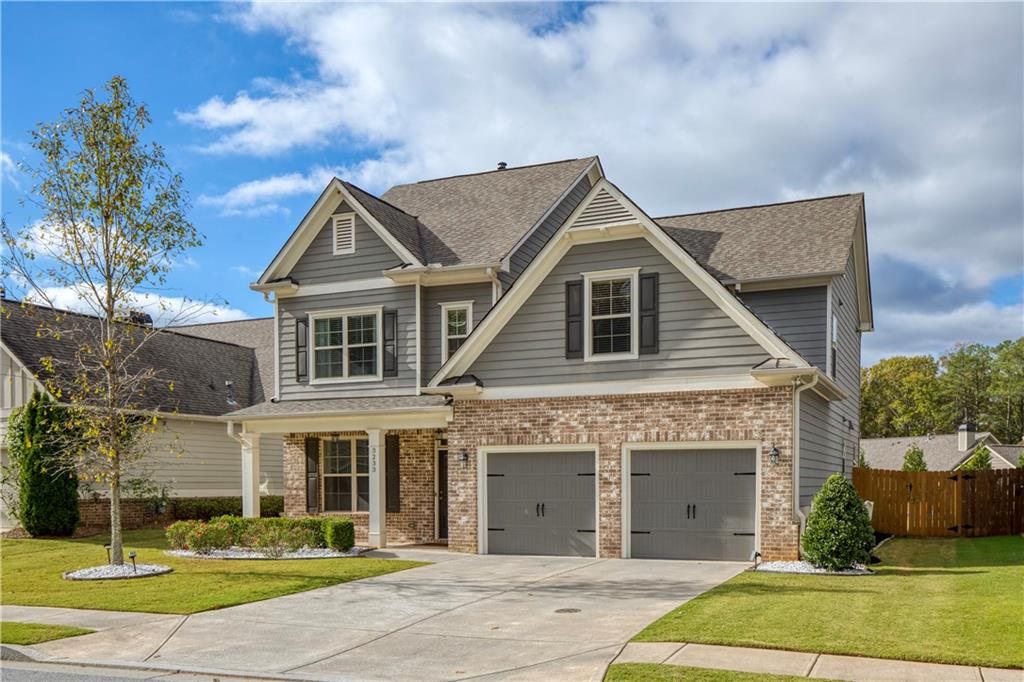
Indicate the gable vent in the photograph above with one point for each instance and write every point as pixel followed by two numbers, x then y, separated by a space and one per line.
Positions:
pixel 604 209
pixel 344 234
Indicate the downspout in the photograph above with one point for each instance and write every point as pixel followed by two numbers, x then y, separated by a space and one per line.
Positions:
pixel 495 286
pixel 798 387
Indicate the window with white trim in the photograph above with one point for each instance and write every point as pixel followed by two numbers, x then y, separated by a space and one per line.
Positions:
pixel 344 234
pixel 456 326
pixel 346 477
pixel 834 350
pixel 346 345
pixel 611 314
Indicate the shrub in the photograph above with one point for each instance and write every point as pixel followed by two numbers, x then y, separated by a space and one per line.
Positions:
pixel 274 539
pixel 838 533
pixel 206 508
pixel 206 537
pixel 862 461
pixel 340 534
pixel 177 533
pixel 980 460
pixel 913 459
pixel 47 496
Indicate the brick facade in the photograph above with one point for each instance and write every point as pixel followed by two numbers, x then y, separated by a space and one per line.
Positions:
pixel 763 415
pixel 95 514
pixel 414 524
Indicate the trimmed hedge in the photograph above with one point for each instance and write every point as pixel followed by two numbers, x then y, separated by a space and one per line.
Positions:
pixel 206 508
pixel 272 536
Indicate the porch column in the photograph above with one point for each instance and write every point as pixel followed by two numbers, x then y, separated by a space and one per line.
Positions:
pixel 250 474
pixel 378 490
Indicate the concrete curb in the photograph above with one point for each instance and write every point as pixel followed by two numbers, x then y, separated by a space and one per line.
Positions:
pixel 28 655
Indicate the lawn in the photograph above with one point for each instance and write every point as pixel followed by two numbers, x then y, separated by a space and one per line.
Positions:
pixel 32 576
pixel 655 672
pixel 34 633
pixel 939 600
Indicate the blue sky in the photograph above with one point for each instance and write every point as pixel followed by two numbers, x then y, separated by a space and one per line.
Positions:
pixel 690 107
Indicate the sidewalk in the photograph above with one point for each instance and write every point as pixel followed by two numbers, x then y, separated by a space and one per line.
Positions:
pixel 827 666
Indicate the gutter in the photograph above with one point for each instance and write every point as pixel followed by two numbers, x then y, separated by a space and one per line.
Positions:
pixel 798 387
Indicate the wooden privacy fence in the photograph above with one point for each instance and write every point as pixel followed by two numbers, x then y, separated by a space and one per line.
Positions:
pixel 944 503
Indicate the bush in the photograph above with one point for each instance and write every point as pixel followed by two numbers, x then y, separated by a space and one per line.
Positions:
pixel 206 508
pixel 274 539
pixel 340 534
pixel 47 496
pixel 913 459
pixel 177 533
pixel 838 533
pixel 206 537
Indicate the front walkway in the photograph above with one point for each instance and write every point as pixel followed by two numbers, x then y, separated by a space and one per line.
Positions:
pixel 819 666
pixel 464 616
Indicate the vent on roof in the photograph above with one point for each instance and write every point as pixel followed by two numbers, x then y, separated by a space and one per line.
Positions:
pixel 502 165
pixel 344 234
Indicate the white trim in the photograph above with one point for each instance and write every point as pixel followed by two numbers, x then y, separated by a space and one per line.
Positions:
pixel 347 221
pixel 623 387
pixel 437 489
pixel 315 315
pixel 404 418
pixel 419 339
pixel 481 483
pixel 627 479
pixel 445 307
pixel 780 283
pixel 436 274
pixel 342 287
pixel 828 329
pixel 1009 464
pixel 277 350
pixel 556 248
pixel 862 271
pixel 634 317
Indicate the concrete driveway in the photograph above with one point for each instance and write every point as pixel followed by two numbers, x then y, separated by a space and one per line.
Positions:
pixel 497 617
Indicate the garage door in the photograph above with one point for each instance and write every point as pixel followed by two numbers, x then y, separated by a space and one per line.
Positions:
pixel 693 504
pixel 541 503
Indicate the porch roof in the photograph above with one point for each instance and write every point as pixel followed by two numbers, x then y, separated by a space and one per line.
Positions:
pixel 336 406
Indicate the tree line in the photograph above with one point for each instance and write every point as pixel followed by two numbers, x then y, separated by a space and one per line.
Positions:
pixel 919 395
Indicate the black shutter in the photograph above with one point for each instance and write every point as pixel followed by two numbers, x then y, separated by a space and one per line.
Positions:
pixel 574 319
pixel 392 473
pixel 389 336
pixel 312 475
pixel 301 351
pixel 649 313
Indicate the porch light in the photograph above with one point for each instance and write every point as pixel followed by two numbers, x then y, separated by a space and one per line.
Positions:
pixel 773 455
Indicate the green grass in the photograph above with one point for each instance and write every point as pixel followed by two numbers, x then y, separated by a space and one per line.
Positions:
pixel 658 672
pixel 939 600
pixel 34 633
pixel 32 572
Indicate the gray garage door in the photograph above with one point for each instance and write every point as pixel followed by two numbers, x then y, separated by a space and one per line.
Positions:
pixel 541 503
pixel 693 504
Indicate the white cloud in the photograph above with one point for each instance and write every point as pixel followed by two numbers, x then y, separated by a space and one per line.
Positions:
pixel 9 170
pixel 164 310
pixel 260 197
pixel 246 271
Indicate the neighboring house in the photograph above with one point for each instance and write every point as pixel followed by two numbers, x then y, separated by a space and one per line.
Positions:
pixel 197 457
pixel 523 361
pixel 944 452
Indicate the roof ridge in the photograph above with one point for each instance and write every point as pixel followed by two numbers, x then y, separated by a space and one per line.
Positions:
pixel 383 201
pixel 493 170
pixel 207 324
pixel 773 203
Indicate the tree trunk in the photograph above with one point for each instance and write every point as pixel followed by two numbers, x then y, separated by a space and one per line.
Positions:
pixel 116 544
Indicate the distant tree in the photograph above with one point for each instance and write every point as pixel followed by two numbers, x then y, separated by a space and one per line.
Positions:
pixel 965 381
pixel 901 396
pixel 862 462
pixel 913 459
pixel 980 460
pixel 1006 391
pixel 1020 462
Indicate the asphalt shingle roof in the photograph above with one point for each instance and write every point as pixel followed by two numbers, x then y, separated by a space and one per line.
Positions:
pixel 257 334
pixel 198 367
pixel 793 239
pixel 1011 453
pixel 478 218
pixel 940 451
pixel 290 408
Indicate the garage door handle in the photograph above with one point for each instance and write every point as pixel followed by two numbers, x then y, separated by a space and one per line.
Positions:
pixel 687 511
pixel 538 509
pixel 694 511
pixel 542 513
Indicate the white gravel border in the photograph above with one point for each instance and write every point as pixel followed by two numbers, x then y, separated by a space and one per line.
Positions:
pixel 122 572
pixel 806 567
pixel 246 553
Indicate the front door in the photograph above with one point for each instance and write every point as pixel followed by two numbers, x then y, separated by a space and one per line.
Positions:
pixel 441 493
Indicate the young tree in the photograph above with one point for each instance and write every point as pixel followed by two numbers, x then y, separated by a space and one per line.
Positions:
pixel 113 223
pixel 980 460
pixel 913 459
pixel 1006 392
pixel 862 461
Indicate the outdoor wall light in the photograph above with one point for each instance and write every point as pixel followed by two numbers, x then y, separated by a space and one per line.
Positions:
pixel 773 455
pixel 463 456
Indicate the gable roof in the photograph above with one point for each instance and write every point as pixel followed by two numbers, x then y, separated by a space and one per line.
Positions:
pixel 478 218
pixel 257 334
pixel 941 452
pixel 1011 454
pixel 199 367
pixel 761 242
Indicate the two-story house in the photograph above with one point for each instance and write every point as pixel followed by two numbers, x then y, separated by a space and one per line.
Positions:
pixel 523 361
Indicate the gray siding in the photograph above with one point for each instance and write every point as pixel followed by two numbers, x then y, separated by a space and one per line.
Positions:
pixel 430 302
pixel 696 337
pixel 319 264
pixel 402 298
pixel 823 433
pixel 799 316
pixel 529 249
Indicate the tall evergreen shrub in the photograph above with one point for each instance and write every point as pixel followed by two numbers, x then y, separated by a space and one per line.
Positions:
pixel 838 533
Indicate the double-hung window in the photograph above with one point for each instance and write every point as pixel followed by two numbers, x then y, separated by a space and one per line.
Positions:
pixel 456 325
pixel 346 467
pixel 611 306
pixel 346 345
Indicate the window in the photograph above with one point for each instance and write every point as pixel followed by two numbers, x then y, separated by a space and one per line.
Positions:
pixel 346 345
pixel 833 351
pixel 611 309
pixel 346 467
pixel 344 234
pixel 456 325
